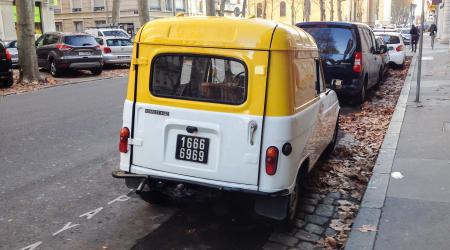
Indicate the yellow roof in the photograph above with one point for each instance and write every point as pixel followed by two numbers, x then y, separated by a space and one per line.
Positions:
pixel 221 32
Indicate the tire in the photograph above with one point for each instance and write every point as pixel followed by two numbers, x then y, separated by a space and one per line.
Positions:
pixel 330 148
pixel 54 71
pixel 154 197
pixel 361 96
pixel 96 71
pixel 402 66
pixel 8 83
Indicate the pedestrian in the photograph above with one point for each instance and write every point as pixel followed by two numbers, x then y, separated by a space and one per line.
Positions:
pixel 433 31
pixel 414 37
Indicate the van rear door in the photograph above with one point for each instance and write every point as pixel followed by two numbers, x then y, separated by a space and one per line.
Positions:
pixel 200 115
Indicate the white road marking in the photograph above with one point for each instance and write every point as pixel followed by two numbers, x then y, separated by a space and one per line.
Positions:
pixel 120 198
pixel 32 246
pixel 67 226
pixel 92 213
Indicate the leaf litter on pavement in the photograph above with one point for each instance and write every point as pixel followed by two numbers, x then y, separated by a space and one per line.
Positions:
pixel 349 168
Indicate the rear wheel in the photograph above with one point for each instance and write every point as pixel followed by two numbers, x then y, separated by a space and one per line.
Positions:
pixel 361 96
pixel 54 71
pixel 153 197
pixel 96 71
pixel 330 148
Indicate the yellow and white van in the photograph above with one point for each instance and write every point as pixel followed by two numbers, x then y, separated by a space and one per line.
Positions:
pixel 230 104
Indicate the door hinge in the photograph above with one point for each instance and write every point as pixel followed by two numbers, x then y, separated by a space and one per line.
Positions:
pixel 135 142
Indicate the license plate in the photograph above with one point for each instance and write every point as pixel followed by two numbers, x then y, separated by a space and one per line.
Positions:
pixel 84 53
pixel 192 148
pixel 124 57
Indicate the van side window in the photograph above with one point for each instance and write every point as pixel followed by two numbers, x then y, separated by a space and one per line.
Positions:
pixel 320 83
pixel 199 78
pixel 365 44
pixel 305 80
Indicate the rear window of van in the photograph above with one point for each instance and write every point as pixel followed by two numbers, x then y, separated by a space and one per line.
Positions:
pixel 199 78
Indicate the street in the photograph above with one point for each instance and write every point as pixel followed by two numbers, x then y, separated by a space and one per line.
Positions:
pixel 58 149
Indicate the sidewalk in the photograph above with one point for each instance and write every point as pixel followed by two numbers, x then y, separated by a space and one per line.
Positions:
pixel 414 211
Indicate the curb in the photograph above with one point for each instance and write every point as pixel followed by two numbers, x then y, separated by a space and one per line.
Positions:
pixel 375 195
pixel 64 84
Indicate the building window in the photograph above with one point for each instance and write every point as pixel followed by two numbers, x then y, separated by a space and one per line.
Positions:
pixel 155 5
pixel 78 26
pixel 100 23
pixel 169 5
pixel 179 5
pixel 283 8
pixel 259 10
pixel 99 5
pixel 76 5
pixel 59 26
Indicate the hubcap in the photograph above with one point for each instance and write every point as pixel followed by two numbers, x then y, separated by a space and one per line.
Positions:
pixel 53 68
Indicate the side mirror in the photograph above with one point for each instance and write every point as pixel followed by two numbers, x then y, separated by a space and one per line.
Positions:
pixel 336 83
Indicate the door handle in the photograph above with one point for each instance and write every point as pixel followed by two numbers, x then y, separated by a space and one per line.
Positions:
pixel 252 126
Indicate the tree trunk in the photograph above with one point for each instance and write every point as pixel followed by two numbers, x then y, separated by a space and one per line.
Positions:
pixel 29 71
pixel 293 12
pixel 115 12
pixel 271 9
pixel 331 10
pixel 244 7
pixel 322 10
pixel 210 7
pixel 339 9
pixel 143 12
pixel 222 8
pixel 306 10
pixel 265 9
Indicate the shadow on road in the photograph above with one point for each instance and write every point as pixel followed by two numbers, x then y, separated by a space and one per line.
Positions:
pixel 223 223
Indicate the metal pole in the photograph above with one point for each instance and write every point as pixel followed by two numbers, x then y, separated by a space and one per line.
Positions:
pixel 419 72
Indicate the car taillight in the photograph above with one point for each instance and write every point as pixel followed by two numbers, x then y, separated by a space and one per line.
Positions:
pixel 8 55
pixel 106 50
pixel 97 47
pixel 399 48
pixel 357 66
pixel 271 160
pixel 63 47
pixel 123 143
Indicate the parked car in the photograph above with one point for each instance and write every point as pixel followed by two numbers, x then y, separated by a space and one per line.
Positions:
pixel 349 54
pixel 116 50
pixel 384 56
pixel 101 32
pixel 58 52
pixel 406 35
pixel 12 48
pixel 396 48
pixel 6 70
pixel 194 125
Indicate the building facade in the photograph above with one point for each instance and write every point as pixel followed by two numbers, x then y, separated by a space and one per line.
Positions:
pixel 79 15
pixel 44 18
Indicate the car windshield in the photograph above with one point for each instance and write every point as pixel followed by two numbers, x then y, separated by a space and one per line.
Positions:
pixel 118 33
pixel 12 45
pixel 199 78
pixel 333 42
pixel 80 40
pixel 118 42
pixel 390 39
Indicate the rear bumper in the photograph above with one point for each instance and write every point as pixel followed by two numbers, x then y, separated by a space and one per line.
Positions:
pixel 397 58
pixel 116 59
pixel 6 75
pixel 348 88
pixel 220 186
pixel 79 63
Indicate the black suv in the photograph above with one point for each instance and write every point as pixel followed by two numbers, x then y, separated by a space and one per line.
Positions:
pixel 58 52
pixel 6 71
pixel 351 58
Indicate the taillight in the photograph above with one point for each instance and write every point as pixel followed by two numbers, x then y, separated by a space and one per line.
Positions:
pixel 97 47
pixel 8 55
pixel 399 48
pixel 63 47
pixel 106 50
pixel 357 66
pixel 123 143
pixel 271 160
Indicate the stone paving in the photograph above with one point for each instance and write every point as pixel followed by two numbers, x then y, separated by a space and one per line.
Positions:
pixel 316 213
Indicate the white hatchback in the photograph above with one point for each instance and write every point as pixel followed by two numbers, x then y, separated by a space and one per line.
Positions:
pixel 396 47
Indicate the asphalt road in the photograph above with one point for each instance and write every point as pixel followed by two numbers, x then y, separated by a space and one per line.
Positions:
pixel 58 147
